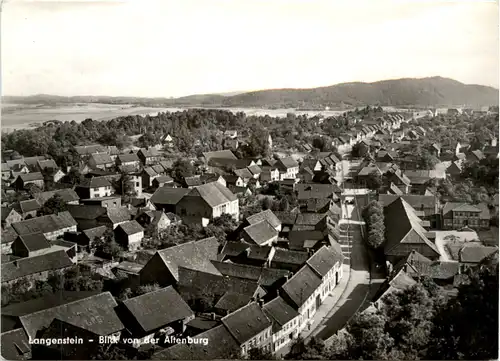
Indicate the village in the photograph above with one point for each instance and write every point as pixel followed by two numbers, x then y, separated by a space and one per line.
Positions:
pixel 242 254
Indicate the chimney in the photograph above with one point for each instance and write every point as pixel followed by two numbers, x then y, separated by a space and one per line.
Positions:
pixel 286 277
pixel 494 142
pixel 261 302
pixel 212 316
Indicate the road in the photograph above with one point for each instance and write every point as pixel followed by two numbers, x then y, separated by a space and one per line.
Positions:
pixel 358 286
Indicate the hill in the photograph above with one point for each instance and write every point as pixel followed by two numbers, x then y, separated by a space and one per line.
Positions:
pixel 434 92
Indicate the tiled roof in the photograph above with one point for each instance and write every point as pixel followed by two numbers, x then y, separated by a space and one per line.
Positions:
pixel 130 157
pixel 48 163
pixel 232 301
pixel 166 195
pixel 369 170
pixel 45 224
pixel 131 227
pixel 15 345
pixel 118 214
pixel 27 177
pixel 291 257
pixel 151 152
pixel 243 173
pixel 6 211
pixel 286 217
pixel 29 205
pixel 31 265
pixel 157 309
pixel 260 232
pixel 459 207
pixel 193 181
pixel 286 163
pixel 267 215
pixel 314 190
pixel 415 201
pixel 403 226
pixel 35 241
pixel 96 232
pixel 227 154
pixel 234 248
pixel 194 255
pixel 95 182
pixel 89 149
pixel 475 254
pixel 324 259
pixel 101 158
pixel 279 311
pixel 254 169
pixel 213 193
pixel 220 345
pixel 440 270
pixel 246 322
pixel 67 195
pixel 301 286
pixel 95 314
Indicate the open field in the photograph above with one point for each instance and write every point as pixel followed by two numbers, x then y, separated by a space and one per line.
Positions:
pixel 16 116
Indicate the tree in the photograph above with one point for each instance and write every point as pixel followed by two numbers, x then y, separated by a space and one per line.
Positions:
pixel 359 150
pixel 181 169
pixel 259 354
pixel 373 215
pixel 302 350
pixel 374 181
pixel 466 328
pixel 152 287
pixel 284 204
pixel 54 205
pixel 427 160
pixel 107 246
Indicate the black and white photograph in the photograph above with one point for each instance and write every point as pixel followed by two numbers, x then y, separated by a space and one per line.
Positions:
pixel 249 179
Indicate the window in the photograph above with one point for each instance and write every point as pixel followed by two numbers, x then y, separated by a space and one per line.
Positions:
pixel 96 189
pixel 137 184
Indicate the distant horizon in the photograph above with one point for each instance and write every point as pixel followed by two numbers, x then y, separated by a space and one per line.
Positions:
pixel 233 93
pixel 176 48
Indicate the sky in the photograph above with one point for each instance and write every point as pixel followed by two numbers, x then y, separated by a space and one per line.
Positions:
pixel 171 48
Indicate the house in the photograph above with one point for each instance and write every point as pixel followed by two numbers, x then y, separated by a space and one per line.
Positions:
pixel 404 233
pixel 306 175
pixel 89 235
pixel 458 215
pixel 95 314
pixel 222 346
pixel 106 202
pixel 302 291
pixel 399 179
pixel 454 170
pixel 5 171
pixel 267 215
pixel 288 168
pixel 288 260
pixel 474 155
pixel 327 263
pixel 234 180
pixel 85 151
pixel 162 180
pixel 52 226
pixel 129 234
pixel 163 267
pixel 29 208
pixel 260 233
pixel 221 154
pixel 130 160
pixel 213 177
pixel 158 219
pixel 15 345
pixel 25 179
pixel 93 216
pixel 233 134
pixel 250 327
pixel 149 156
pixel 153 313
pixel 269 174
pixel 230 143
pixel 284 319
pixel 94 187
pixel 10 216
pixel 148 174
pixel 168 141
pixel 36 268
pixel 206 202
pixel 474 255
pixel 166 198
pixel 425 207
pixel 29 245
pixel 101 161
pixel 366 173
pixel 435 150
pixel 193 181
pixel 307 191
pixel 68 195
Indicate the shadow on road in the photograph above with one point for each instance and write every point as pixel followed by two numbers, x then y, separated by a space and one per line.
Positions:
pixel 342 315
